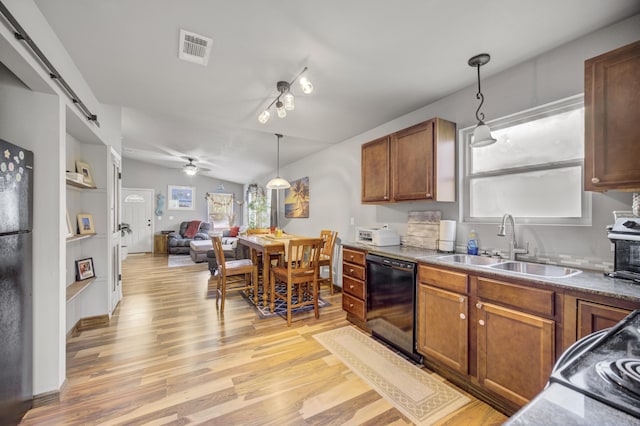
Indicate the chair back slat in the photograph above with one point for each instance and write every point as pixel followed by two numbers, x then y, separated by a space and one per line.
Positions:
pixel 219 252
pixel 329 241
pixel 303 255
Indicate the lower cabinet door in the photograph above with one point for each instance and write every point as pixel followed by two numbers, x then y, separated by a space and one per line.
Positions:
pixel 515 352
pixel 593 317
pixel 442 327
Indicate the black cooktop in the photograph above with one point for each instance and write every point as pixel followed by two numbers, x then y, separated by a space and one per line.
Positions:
pixel 608 369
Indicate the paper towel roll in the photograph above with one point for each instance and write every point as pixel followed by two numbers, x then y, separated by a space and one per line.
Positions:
pixel 447 238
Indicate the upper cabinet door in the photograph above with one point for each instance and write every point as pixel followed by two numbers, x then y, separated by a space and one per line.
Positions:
pixel 412 150
pixel 376 170
pixel 612 120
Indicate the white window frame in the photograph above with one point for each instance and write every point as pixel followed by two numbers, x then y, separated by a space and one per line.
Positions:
pixel 464 165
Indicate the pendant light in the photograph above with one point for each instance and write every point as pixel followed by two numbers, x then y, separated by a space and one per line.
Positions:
pixel 482 133
pixel 277 182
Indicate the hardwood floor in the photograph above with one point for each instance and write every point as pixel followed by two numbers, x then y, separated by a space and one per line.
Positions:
pixel 168 358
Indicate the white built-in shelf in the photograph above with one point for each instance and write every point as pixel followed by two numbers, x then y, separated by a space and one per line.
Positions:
pixel 79 185
pixel 77 287
pixel 79 237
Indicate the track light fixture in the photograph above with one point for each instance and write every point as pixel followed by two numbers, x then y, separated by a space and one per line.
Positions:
pixel 482 133
pixel 190 168
pixel 285 101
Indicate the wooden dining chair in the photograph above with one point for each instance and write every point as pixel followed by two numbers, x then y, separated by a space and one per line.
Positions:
pixel 230 268
pixel 326 255
pixel 299 276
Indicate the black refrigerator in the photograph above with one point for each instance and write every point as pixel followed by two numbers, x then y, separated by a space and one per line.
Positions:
pixel 16 313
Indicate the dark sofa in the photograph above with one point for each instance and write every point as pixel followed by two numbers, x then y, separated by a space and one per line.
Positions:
pixel 179 244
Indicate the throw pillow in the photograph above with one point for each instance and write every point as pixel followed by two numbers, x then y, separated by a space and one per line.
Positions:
pixel 233 232
pixel 192 229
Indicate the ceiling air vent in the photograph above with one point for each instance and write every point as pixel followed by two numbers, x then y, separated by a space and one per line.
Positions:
pixel 194 47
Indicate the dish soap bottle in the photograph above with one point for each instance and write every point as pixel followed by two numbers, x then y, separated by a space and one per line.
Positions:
pixel 472 243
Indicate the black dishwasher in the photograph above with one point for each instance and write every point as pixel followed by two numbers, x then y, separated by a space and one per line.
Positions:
pixel 391 296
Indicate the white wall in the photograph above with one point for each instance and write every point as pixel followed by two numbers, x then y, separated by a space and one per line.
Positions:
pixel 136 174
pixel 35 114
pixel 334 174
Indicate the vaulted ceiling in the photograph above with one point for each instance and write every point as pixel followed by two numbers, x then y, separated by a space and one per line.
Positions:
pixel 370 61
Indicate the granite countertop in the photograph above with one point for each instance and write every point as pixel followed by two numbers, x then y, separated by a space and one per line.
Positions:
pixel 559 405
pixel 586 281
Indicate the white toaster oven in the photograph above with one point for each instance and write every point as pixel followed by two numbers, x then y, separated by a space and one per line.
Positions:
pixel 377 236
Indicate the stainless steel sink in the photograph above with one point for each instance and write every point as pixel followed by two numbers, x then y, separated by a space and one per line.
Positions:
pixel 470 260
pixel 536 269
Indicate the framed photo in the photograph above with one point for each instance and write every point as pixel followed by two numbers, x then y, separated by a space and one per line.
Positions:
pixel 296 199
pixel 85 224
pixel 70 230
pixel 84 269
pixel 181 197
pixel 83 169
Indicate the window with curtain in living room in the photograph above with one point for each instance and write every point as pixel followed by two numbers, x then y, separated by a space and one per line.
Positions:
pixel 220 210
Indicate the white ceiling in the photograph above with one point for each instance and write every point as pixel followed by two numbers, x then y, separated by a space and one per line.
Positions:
pixel 370 61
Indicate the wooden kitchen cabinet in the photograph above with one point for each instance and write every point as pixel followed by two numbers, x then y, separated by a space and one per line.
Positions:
pixel 417 163
pixel 612 114
pixel 442 317
pixel 376 171
pixel 515 342
pixel 515 352
pixel 354 289
pixel 593 317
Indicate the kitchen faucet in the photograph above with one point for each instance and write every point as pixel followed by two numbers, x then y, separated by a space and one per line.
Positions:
pixel 513 245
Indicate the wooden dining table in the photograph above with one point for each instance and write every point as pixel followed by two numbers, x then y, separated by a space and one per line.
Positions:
pixel 267 244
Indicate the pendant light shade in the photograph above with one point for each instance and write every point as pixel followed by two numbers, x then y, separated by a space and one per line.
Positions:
pixel 482 133
pixel 277 182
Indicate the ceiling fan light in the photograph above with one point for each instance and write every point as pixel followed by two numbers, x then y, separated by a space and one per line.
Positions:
pixel 282 113
pixel 289 101
pixel 264 117
pixel 482 136
pixel 278 183
pixel 306 85
pixel 190 169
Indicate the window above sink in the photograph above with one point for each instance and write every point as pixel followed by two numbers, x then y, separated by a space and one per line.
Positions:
pixel 534 171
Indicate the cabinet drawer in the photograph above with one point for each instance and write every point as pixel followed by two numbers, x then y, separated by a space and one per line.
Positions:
pixel 353 287
pixel 528 299
pixel 446 280
pixel 353 256
pixel 353 305
pixel 354 271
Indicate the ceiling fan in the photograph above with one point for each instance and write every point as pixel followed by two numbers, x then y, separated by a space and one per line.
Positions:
pixel 191 169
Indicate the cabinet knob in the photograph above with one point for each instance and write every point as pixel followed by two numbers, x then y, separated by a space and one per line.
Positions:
pixel 462 300
pixel 595 180
pixel 479 305
pixel 463 316
pixel 481 322
pixel 351 286
pixel 351 305
pixel 351 271
pixel 386 198
pixel 351 257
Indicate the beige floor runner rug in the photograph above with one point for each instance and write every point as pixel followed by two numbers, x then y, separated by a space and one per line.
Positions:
pixel 420 397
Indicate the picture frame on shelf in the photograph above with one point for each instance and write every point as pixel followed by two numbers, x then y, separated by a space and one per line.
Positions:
pixel 85 224
pixel 70 230
pixel 181 197
pixel 85 171
pixel 84 269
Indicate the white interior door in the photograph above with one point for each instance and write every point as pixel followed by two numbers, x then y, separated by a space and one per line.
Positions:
pixel 137 211
pixel 115 218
